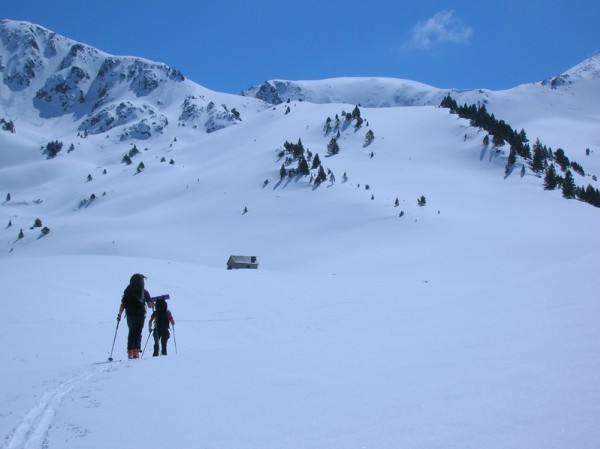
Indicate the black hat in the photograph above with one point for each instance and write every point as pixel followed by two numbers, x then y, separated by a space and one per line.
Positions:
pixel 137 278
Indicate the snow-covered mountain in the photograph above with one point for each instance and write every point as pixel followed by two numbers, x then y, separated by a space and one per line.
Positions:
pixel 378 92
pixel 368 92
pixel 420 296
pixel 47 76
pixel 568 96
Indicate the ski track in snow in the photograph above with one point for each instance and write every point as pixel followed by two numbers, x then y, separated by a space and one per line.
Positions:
pixel 33 430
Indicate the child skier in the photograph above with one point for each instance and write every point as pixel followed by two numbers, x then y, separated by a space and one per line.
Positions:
pixel 162 316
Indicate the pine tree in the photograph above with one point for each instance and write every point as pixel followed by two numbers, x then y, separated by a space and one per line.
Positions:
pixel 316 163
pixel 369 137
pixel 512 156
pixel 539 159
pixel 449 103
pixel 321 176
pixel 561 159
pixel 550 179
pixel 568 188
pixel 577 168
pixel 133 151
pixel 327 127
pixel 298 149
pixel 590 195
pixel 333 148
pixel 303 166
pixel 497 141
pixel 510 162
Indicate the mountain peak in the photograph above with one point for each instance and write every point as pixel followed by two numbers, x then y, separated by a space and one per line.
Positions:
pixel 590 68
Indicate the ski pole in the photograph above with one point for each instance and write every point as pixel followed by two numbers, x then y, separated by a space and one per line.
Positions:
pixel 174 339
pixel 147 339
pixel 110 359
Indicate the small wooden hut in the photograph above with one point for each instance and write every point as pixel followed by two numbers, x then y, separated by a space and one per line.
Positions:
pixel 242 262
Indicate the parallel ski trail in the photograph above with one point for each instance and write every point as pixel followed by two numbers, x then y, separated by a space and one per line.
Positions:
pixel 33 430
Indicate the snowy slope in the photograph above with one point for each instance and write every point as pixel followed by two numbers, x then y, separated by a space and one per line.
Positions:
pixel 470 322
pixel 562 111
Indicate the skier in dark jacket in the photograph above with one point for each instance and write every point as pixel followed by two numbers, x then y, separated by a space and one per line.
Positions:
pixel 162 316
pixel 135 298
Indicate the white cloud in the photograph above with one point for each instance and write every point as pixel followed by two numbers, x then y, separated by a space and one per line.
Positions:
pixel 442 27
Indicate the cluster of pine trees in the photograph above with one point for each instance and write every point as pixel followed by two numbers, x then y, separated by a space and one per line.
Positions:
pixel 541 159
pixel 52 148
pixel 36 224
pixel 300 161
pixel 7 125
pixel 304 161
pixel 336 124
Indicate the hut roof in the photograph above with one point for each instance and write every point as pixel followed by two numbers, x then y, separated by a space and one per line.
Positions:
pixel 243 259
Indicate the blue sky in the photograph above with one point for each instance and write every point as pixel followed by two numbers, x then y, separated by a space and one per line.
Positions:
pixel 230 45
